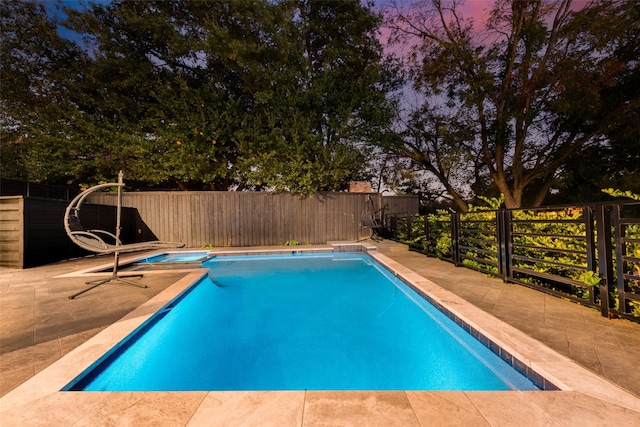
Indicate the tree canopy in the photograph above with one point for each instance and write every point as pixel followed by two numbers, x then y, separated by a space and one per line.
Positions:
pixel 34 63
pixel 507 104
pixel 539 102
pixel 286 95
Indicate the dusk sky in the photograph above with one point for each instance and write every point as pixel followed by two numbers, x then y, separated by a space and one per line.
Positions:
pixel 476 9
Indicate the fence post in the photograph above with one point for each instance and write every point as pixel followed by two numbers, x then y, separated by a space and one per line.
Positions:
pixel 503 225
pixel 427 235
pixel 605 257
pixel 587 217
pixel 621 263
pixel 455 231
pixel 394 227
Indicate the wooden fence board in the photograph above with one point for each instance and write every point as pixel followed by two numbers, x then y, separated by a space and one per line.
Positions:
pixel 11 231
pixel 32 230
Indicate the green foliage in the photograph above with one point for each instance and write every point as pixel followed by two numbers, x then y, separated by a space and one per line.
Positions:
pixel 548 242
pixel 413 233
pixel 478 238
pixel 631 248
pixel 558 236
pixel 620 193
pixel 36 73
pixel 248 94
pixel 493 203
pixel 478 235
pixel 295 243
pixel 590 278
pixel 440 226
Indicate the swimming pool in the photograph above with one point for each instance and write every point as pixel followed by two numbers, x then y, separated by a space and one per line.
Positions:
pixel 334 321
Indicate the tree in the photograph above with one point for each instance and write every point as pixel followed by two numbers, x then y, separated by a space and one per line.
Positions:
pixel 618 159
pixel 164 94
pixel 34 71
pixel 329 104
pixel 531 89
pixel 222 95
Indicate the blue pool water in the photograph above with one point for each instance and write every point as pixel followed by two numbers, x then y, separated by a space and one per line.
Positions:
pixel 177 257
pixel 294 322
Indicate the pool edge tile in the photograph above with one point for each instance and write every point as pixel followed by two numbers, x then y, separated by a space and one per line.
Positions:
pixel 52 409
pixel 435 408
pixel 143 409
pixel 502 408
pixel 577 378
pixel 586 409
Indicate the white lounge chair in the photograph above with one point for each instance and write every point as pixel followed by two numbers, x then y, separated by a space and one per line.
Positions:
pixel 101 241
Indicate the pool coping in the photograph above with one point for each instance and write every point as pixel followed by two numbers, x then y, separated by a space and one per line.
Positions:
pixel 509 342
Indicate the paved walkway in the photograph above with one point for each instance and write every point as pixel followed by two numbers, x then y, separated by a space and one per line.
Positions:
pixel 39 325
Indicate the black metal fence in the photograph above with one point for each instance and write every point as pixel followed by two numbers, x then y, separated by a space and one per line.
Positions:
pixel 589 254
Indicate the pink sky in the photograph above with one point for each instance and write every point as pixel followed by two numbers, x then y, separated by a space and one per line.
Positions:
pixel 478 10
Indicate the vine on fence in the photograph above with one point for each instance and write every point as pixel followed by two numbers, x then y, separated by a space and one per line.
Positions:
pixel 557 241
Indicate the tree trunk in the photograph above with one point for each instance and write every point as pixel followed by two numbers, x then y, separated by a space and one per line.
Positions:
pixel 181 185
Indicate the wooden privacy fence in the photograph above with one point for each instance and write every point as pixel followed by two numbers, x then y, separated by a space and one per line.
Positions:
pixel 32 231
pixel 223 219
pixel 12 187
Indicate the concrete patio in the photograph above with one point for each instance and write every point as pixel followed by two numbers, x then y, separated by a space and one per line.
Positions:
pixel 39 325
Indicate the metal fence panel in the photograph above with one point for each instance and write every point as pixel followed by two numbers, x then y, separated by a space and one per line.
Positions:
pixel 588 253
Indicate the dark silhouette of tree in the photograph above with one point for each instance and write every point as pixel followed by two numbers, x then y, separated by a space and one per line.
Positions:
pixel 34 78
pixel 286 95
pixel 537 84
